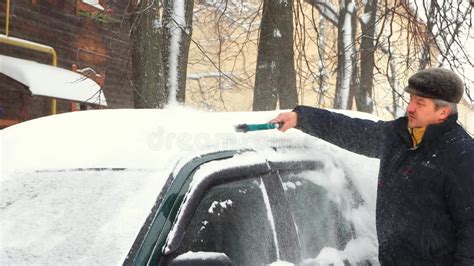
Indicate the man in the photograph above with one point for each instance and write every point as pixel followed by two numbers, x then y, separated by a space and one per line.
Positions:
pixel 425 198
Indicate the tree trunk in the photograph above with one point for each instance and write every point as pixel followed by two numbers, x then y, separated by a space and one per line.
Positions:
pixel 346 62
pixel 425 59
pixel 147 72
pixel 354 62
pixel 367 59
pixel 275 78
pixel 177 18
pixel 397 105
pixel 322 71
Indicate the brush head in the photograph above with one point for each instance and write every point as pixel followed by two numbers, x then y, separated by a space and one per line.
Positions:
pixel 255 127
pixel 241 128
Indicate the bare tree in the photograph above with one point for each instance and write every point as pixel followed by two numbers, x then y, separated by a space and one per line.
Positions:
pixel 221 62
pixel 346 61
pixel 434 33
pixel 147 69
pixel 406 37
pixel 160 34
pixel 345 19
pixel 363 50
pixel 367 58
pixel 275 79
pixel 448 24
pixel 177 30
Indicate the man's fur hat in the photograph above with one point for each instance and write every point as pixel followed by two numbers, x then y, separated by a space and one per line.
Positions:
pixel 436 83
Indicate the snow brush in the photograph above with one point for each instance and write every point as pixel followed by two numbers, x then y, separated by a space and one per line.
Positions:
pixel 255 127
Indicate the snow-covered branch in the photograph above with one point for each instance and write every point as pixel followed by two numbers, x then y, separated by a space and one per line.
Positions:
pixel 198 76
pixel 326 9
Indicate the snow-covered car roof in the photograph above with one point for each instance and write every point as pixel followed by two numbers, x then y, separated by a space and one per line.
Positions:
pixel 153 138
pixel 110 138
pixel 59 175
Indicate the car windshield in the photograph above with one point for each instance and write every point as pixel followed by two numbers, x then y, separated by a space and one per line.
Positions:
pixel 78 217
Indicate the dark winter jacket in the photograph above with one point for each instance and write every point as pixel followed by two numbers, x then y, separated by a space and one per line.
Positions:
pixel 425 198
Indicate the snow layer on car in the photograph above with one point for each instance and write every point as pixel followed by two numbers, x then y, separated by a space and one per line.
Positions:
pixel 101 224
pixel 131 138
pixel 134 138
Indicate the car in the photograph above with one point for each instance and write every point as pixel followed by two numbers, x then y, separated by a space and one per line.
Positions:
pixel 181 187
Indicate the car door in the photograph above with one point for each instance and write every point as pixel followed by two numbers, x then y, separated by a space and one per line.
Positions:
pixel 324 203
pixel 319 218
pixel 238 210
pixel 248 210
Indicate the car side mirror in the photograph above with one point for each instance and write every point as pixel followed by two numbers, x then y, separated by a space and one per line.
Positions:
pixel 201 258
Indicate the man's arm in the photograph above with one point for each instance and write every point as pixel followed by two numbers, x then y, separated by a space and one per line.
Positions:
pixel 358 135
pixel 460 196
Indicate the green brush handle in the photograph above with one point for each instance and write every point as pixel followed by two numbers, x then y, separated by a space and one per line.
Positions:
pixel 255 127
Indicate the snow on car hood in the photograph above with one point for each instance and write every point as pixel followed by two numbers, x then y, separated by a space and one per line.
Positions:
pixel 74 217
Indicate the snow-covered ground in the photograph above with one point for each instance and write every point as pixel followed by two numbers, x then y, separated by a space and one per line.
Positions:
pixel 52 161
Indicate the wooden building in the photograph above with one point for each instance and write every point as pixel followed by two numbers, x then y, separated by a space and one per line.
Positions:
pixel 89 36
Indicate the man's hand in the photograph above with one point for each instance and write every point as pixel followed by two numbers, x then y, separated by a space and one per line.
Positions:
pixel 288 119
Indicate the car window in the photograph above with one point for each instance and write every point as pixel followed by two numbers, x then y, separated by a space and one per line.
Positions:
pixel 232 218
pixel 319 220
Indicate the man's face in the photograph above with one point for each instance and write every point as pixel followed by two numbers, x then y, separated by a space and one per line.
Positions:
pixel 421 112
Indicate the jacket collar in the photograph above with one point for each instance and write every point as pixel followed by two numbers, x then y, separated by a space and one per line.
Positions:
pixel 432 132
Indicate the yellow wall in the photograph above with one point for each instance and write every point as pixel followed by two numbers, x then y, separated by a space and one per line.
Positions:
pixel 237 48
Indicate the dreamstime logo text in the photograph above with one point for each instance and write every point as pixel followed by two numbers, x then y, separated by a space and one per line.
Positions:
pixel 162 140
